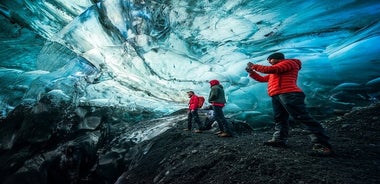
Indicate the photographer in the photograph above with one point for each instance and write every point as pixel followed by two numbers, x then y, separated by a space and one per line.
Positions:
pixel 288 99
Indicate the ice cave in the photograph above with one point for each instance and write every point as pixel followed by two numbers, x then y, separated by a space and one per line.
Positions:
pixel 140 57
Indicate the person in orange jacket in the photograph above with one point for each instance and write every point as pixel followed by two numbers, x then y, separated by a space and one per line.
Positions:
pixel 193 112
pixel 288 99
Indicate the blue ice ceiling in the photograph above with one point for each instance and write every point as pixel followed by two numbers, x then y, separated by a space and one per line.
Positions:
pixel 144 55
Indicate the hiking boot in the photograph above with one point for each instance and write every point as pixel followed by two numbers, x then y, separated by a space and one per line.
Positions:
pixel 321 150
pixel 198 131
pixel 219 132
pixel 276 143
pixel 224 134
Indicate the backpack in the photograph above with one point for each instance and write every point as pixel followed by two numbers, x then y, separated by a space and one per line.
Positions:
pixel 201 100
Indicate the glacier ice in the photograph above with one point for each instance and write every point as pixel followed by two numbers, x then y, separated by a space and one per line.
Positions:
pixel 144 55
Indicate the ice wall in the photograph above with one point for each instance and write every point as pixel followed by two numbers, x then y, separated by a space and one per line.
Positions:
pixel 144 55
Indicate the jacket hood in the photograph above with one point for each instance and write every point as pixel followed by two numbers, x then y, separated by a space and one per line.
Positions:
pixel 214 82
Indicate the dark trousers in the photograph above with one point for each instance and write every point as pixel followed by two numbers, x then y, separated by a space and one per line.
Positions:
pixel 208 123
pixel 221 120
pixel 190 116
pixel 293 104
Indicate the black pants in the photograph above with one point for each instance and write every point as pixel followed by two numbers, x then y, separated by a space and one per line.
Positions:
pixel 190 116
pixel 293 104
pixel 208 123
pixel 221 120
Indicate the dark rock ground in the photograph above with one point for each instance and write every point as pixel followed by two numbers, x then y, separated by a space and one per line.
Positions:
pixel 86 146
pixel 180 157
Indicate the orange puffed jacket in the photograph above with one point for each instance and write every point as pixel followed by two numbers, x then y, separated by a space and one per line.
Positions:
pixel 281 78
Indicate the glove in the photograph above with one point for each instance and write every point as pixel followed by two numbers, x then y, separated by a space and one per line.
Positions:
pixel 249 67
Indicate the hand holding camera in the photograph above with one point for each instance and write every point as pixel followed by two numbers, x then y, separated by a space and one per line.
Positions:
pixel 249 67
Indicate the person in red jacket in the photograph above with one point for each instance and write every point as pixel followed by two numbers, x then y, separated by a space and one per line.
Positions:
pixel 193 112
pixel 288 99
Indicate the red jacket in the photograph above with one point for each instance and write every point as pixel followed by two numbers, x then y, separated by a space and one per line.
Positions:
pixel 281 78
pixel 193 103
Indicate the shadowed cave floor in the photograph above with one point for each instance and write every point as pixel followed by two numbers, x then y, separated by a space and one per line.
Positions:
pixel 177 156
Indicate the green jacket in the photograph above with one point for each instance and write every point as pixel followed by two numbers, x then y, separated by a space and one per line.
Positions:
pixel 217 95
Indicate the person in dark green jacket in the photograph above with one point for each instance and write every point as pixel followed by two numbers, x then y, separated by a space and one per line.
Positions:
pixel 217 99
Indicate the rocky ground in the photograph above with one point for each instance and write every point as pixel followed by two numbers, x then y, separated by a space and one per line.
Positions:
pixel 91 146
pixel 180 157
